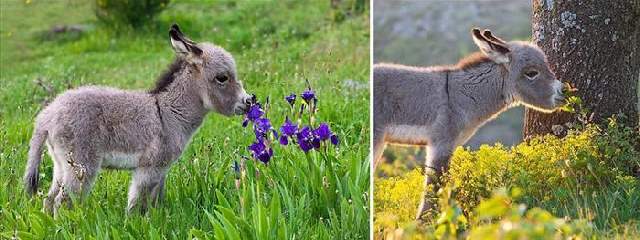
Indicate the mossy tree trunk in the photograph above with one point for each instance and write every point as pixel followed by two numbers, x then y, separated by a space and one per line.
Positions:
pixel 593 45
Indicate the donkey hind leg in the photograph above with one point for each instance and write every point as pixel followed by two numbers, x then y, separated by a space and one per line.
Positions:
pixel 56 181
pixel 144 181
pixel 79 170
pixel 437 163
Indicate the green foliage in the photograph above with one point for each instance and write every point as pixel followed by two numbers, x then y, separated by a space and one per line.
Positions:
pixel 296 196
pixel 501 217
pixel 344 9
pixel 497 217
pixel 589 176
pixel 127 12
pixel 548 168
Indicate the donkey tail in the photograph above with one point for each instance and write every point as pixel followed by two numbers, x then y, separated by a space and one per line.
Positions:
pixel 35 157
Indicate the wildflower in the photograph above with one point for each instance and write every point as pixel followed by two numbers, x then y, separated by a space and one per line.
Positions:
pixel 315 142
pixel 323 132
pixel 334 139
pixel 308 95
pixel 305 139
pixel 261 151
pixel 284 140
pixel 254 113
pixel 262 127
pixel 287 130
pixel 291 99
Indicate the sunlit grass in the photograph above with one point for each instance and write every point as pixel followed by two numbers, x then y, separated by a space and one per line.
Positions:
pixel 276 52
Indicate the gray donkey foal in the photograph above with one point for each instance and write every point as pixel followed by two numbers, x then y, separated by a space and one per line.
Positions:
pixel 90 128
pixel 442 107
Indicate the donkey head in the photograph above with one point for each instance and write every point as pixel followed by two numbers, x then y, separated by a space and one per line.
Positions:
pixel 530 80
pixel 214 74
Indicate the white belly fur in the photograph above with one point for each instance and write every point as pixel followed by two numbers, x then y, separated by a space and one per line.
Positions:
pixel 399 134
pixel 121 160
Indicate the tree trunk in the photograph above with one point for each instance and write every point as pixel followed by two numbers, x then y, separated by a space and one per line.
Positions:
pixel 593 45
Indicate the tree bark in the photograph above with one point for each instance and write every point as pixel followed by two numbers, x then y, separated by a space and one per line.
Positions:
pixel 594 46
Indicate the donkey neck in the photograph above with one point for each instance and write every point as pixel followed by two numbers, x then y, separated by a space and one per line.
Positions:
pixel 480 92
pixel 180 106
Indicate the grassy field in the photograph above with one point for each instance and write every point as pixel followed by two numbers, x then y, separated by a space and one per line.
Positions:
pixel 277 45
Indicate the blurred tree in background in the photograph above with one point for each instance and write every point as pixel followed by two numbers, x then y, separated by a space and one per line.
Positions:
pixel 134 13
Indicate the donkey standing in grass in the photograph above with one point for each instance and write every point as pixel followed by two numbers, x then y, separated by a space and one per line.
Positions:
pixel 90 128
pixel 442 107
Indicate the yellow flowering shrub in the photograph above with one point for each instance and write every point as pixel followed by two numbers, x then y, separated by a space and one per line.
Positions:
pixel 394 197
pixel 591 175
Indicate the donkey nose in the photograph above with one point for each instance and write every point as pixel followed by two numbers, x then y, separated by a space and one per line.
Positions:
pixel 251 100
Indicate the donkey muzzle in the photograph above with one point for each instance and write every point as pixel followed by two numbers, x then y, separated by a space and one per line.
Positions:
pixel 251 100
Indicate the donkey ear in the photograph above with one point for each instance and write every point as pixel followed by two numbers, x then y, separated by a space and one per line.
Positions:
pixel 487 34
pixel 182 45
pixel 493 47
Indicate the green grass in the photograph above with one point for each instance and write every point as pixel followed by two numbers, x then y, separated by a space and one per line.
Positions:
pixel 277 45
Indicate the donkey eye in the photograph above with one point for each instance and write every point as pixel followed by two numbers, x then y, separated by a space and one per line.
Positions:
pixel 222 78
pixel 531 74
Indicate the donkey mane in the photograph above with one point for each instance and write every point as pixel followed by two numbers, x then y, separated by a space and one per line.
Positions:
pixel 472 60
pixel 167 77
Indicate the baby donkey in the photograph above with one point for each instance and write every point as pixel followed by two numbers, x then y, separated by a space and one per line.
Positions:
pixel 90 128
pixel 442 107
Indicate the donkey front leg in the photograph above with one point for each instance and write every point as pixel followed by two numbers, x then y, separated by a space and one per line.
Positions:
pixel 378 146
pixel 437 163
pixel 144 181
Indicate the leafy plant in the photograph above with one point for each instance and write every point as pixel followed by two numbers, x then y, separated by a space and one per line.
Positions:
pixel 134 13
pixel 589 175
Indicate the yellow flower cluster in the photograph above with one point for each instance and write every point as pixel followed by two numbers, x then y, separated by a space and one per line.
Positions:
pixel 545 171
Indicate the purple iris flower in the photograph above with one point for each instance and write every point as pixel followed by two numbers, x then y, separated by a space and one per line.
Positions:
pixel 291 99
pixel 262 127
pixel 305 146
pixel 288 128
pixel 308 94
pixel 305 139
pixel 334 139
pixel 316 142
pixel 323 132
pixel 254 113
pixel 284 140
pixel 261 151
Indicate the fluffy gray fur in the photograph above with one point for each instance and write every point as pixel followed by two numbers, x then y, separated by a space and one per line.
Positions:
pixel 442 107
pixel 93 127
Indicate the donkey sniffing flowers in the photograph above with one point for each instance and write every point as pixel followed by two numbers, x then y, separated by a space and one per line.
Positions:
pixel 90 128
pixel 305 136
pixel 442 107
